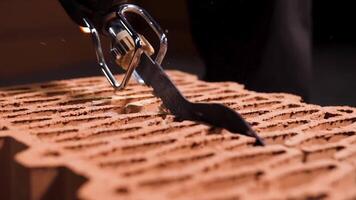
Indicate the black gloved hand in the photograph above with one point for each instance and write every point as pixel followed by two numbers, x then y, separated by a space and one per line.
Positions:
pixel 94 10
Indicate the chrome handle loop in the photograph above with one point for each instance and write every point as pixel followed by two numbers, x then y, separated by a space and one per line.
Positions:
pixel 122 20
pixel 151 22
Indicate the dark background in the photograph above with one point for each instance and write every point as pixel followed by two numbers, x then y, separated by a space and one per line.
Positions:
pixel 39 43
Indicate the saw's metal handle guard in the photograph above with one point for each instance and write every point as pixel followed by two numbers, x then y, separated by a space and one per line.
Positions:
pixel 120 15
pixel 123 9
pixel 100 55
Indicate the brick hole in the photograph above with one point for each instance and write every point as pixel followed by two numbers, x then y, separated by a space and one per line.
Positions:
pixel 128 120
pixel 122 190
pixel 69 109
pixel 228 104
pixel 225 97
pixel 332 124
pixel 55 133
pixel 131 149
pixel 327 138
pixel 16 88
pixel 329 115
pixel 192 96
pixel 153 123
pixel 279 139
pixel 102 92
pixel 161 182
pixel 146 146
pixel 98 134
pixel 328 152
pixel 182 82
pixel 72 122
pixel 53 85
pixel 241 145
pixel 40 101
pixel 238 180
pixel 15 93
pixel 92 111
pixel 47 113
pixel 254 99
pixel 242 160
pixel 75 93
pixel 291 115
pixel 123 102
pixel 85 146
pixel 298 177
pixel 184 161
pixel 79 83
pixel 289 159
pixel 137 107
pixel 282 126
pixel 254 113
pixel 122 163
pixel 228 91
pixel 170 165
pixel 198 145
pixel 57 93
pixel 288 106
pixel 214 131
pixel 196 134
pixel 19 93
pixel 30 121
pixel 160 131
pixel 253 124
pixel 4 128
pixel 51 154
pixel 202 85
pixel 259 105
pixel 345 111
pixel 103 84
pixel 200 90
pixel 36 95
pixel 13 105
pixel 316 196
pixel 83 101
pixel 137 93
pixel 11 111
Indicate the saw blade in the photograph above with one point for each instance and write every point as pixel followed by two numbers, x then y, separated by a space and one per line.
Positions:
pixel 213 114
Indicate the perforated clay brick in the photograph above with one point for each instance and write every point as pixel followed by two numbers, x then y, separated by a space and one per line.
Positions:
pixel 80 139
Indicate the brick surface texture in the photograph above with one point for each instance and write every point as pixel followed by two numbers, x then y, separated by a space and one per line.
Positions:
pixel 79 139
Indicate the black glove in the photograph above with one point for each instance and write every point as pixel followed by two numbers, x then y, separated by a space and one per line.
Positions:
pixel 94 10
